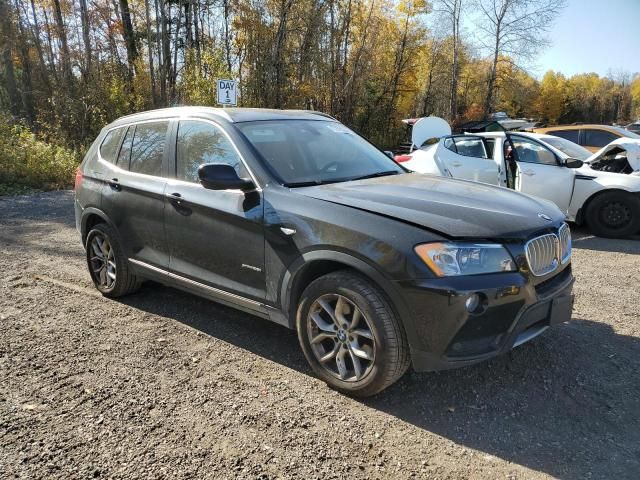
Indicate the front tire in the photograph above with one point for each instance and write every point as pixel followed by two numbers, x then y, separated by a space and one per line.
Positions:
pixel 350 335
pixel 108 265
pixel 614 215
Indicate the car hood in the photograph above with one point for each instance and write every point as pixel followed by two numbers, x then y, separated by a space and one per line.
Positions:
pixel 453 208
pixel 630 145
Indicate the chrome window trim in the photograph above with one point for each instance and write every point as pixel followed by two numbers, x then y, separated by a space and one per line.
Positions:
pixel 126 125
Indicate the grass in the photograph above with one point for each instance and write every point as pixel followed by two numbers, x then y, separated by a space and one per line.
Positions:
pixel 29 164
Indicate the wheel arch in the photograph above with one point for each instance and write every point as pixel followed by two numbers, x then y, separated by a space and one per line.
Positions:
pixel 581 215
pixel 313 265
pixel 91 217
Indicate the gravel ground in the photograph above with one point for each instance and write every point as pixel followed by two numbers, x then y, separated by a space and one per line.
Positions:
pixel 163 384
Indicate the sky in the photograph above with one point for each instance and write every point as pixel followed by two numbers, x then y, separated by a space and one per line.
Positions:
pixel 593 36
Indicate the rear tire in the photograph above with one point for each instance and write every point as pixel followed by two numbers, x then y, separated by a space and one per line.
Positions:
pixel 350 335
pixel 614 215
pixel 108 265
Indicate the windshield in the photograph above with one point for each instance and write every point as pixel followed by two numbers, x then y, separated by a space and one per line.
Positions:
pixel 309 152
pixel 572 150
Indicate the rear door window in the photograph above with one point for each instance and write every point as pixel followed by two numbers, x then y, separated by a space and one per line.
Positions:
pixel 571 135
pixel 467 146
pixel 471 147
pixel 125 151
pixel 111 144
pixel 147 151
pixel 598 138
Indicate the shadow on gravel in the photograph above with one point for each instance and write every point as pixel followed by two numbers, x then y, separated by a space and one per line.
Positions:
pixel 583 239
pixel 565 404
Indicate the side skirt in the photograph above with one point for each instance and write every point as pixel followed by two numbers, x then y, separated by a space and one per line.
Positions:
pixel 211 293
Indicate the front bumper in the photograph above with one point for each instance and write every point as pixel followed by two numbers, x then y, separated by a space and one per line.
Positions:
pixel 443 334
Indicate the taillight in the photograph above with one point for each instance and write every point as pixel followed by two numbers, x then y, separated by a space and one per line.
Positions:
pixel 402 158
pixel 78 178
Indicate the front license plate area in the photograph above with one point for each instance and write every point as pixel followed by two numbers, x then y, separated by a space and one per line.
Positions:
pixel 561 309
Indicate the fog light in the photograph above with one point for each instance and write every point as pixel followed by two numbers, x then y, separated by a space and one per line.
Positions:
pixel 472 303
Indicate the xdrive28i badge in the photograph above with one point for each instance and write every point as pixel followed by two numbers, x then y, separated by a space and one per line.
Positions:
pixel 544 217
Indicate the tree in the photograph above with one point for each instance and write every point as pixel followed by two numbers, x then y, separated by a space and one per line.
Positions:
pixel 514 30
pixel 551 101
pixel 452 9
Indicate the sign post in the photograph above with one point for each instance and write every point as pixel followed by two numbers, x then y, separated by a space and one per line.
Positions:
pixel 227 92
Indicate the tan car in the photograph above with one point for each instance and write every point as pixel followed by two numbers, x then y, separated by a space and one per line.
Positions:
pixel 591 137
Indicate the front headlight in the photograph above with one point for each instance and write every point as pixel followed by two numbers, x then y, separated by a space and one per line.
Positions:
pixel 448 259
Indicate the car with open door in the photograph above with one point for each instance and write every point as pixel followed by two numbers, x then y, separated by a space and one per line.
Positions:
pixel 601 189
pixel 293 217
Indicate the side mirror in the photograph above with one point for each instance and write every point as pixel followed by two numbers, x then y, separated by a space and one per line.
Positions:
pixel 389 154
pixel 220 176
pixel 573 163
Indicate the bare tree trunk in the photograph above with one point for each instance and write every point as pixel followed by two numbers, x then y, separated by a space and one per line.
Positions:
pixel 152 78
pixel 27 87
pixel 64 46
pixel 129 37
pixel 277 57
pixel 488 102
pixel 166 53
pixel 174 73
pixel 227 40
pixel 453 95
pixel 84 15
pixel 38 43
pixel 5 46
pixel 196 34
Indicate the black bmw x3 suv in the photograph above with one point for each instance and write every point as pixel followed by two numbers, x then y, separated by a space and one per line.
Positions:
pixel 291 216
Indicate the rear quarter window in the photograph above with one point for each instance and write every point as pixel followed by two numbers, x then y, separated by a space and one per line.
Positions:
pixel 148 148
pixel 598 138
pixel 111 144
pixel 571 135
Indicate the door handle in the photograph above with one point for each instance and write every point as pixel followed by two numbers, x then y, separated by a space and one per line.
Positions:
pixel 114 184
pixel 174 197
pixel 456 164
pixel 529 172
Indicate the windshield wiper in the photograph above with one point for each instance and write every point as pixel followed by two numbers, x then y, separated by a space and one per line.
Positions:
pixel 377 174
pixel 311 183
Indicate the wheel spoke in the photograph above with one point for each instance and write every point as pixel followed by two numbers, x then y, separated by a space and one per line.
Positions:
pixel 359 351
pixel 331 354
pixel 96 249
pixel 357 366
pixel 355 318
pixel 103 276
pixel 321 324
pixel 361 332
pixel 322 336
pixel 101 244
pixel 341 305
pixel 327 308
pixel 342 368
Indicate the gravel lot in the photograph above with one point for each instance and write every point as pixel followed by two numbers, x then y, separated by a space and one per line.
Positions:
pixel 166 385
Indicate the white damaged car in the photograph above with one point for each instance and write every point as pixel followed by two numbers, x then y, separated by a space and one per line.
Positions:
pixel 601 189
